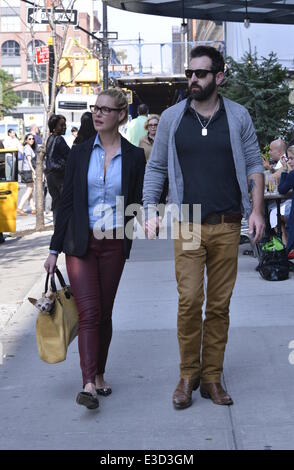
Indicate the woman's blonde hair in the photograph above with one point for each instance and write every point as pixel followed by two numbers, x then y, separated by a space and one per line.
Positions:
pixel 120 99
pixel 291 149
pixel 151 116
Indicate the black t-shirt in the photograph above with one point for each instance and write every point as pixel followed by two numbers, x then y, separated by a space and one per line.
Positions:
pixel 207 163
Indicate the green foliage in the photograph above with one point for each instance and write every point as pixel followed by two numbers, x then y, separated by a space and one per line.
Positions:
pixel 9 98
pixel 262 87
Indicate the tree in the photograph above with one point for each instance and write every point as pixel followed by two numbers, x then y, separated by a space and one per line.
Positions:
pixel 8 98
pixel 262 87
pixel 58 39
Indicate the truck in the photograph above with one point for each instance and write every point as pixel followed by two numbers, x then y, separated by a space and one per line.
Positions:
pixel 158 92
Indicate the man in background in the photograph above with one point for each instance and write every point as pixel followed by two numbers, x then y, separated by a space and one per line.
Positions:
pixel 136 129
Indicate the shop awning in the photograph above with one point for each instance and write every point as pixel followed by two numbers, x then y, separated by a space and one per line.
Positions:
pixel 257 11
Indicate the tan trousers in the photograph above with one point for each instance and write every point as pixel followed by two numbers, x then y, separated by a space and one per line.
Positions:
pixel 218 251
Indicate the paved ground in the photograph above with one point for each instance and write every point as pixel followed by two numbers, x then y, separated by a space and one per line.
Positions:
pixel 38 409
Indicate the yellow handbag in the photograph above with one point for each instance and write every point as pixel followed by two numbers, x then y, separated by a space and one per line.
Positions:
pixel 55 331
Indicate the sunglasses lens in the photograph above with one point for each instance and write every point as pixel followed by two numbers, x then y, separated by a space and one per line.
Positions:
pixel 188 73
pixel 201 73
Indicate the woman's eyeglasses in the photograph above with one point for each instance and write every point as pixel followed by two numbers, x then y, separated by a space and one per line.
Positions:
pixel 30 138
pixel 105 110
pixel 200 73
pixel 152 125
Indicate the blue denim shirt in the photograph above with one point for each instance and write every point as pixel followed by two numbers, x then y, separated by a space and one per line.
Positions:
pixel 102 192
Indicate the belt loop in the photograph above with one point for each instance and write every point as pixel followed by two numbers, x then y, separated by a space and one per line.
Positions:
pixel 223 219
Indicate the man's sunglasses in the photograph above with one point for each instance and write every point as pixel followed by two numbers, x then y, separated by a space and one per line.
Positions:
pixel 200 73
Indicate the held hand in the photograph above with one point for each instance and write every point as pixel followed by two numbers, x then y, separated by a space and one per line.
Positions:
pixel 257 226
pixel 152 227
pixel 50 263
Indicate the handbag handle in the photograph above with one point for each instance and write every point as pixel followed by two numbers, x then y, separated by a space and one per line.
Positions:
pixel 53 283
pixel 62 283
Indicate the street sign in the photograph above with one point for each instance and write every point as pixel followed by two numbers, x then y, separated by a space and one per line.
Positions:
pixel 120 68
pixel 42 55
pixel 60 16
pixel 110 34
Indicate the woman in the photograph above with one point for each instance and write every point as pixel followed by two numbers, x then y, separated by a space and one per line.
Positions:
pixel 286 184
pixel 147 141
pixel 98 171
pixel 28 174
pixel 57 152
pixel 86 129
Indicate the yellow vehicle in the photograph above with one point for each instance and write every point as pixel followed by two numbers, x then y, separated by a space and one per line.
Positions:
pixel 8 189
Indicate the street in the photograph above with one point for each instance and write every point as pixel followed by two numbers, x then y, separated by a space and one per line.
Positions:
pixel 38 408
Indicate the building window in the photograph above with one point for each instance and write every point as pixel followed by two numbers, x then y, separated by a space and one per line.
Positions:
pixel 42 69
pixel 34 98
pixel 10 23
pixel 10 49
pixel 9 3
pixel 14 70
pixel 31 47
pixel 31 75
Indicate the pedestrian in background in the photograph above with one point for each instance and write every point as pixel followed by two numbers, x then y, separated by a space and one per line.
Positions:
pixel 150 126
pixel 286 185
pixel 208 146
pixel 11 142
pixel 136 129
pixel 36 133
pixel 99 170
pixel 70 140
pixel 57 152
pixel 28 174
pixel 86 130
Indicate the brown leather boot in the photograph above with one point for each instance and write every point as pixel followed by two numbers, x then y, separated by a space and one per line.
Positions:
pixel 216 393
pixel 182 397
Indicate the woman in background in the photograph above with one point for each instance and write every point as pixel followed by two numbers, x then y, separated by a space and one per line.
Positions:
pixel 147 141
pixel 57 152
pixel 86 130
pixel 28 174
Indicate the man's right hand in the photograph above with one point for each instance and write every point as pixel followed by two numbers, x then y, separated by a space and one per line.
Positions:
pixel 50 263
pixel 152 227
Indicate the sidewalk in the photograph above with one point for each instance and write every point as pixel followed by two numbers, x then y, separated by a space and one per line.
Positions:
pixel 38 400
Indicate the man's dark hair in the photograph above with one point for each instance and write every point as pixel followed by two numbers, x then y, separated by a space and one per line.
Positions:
pixel 74 129
pixel 142 109
pixel 218 63
pixel 53 121
pixel 9 131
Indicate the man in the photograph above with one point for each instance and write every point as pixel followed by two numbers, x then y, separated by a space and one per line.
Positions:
pixel 208 147
pixel 277 150
pixel 136 129
pixel 36 133
pixel 11 142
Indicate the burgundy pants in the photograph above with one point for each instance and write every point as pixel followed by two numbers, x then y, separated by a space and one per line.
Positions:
pixel 94 279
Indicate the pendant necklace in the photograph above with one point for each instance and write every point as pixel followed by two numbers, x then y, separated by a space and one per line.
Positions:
pixel 204 128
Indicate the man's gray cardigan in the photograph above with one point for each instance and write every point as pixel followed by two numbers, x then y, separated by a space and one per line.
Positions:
pixel 164 159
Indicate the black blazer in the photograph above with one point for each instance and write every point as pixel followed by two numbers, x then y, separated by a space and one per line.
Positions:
pixel 71 232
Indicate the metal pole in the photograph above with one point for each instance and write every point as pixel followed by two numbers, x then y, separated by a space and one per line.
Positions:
pixel 140 56
pixel 161 59
pixel 105 50
pixel 51 68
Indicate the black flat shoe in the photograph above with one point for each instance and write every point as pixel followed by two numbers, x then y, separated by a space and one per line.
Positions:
pixel 88 400
pixel 104 391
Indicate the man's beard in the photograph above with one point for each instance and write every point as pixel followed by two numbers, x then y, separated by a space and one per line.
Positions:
pixel 202 94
